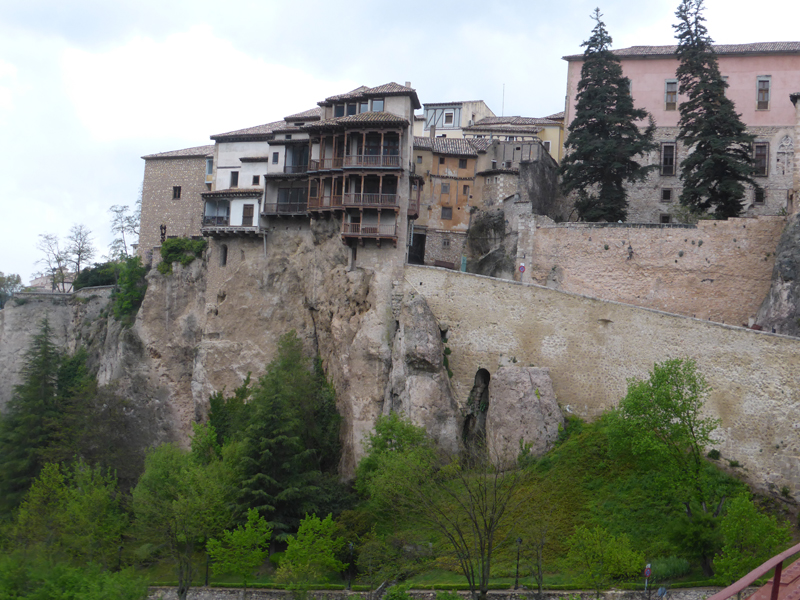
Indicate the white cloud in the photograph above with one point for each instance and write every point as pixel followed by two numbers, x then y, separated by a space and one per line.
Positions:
pixel 8 77
pixel 190 84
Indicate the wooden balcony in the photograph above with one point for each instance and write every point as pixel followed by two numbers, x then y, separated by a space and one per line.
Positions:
pixel 362 231
pixel 325 164
pixel 325 203
pixel 373 161
pixel 372 200
pixel 285 209
pixel 220 227
pixel 293 169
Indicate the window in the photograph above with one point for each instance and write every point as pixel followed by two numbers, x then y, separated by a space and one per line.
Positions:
pixel 352 109
pixel 176 192
pixel 511 138
pixel 377 104
pixel 288 136
pixel 759 196
pixel 445 188
pixel 668 159
pixel 762 93
pixel 274 158
pixel 256 179
pixel 338 110
pixel 462 163
pixel 664 219
pixel 629 85
pixel 234 179
pixel 546 145
pixel 445 243
pixel 441 160
pixel 671 94
pixel 447 213
pixel 223 255
pixel 666 194
pixel 298 124
pixel 209 166
pixel 466 190
pixel 761 155
pixel 449 117
pixel 419 159
pixel 247 215
pixel 363 106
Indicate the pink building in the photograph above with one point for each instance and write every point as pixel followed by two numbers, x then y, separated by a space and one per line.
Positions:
pixel 760 77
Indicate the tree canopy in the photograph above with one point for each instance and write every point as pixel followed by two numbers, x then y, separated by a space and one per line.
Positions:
pixel 604 137
pixel 719 162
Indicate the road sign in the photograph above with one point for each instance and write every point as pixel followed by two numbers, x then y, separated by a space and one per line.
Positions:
pixel 647 571
pixel 522 268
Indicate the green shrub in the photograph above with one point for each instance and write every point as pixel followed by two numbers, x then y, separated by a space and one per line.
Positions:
pixel 448 596
pixel 182 250
pixel 669 569
pixel 129 294
pixel 397 592
pixel 713 454
pixel 99 274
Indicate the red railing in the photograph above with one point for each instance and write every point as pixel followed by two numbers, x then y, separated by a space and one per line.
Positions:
pixel 369 230
pixel 371 199
pixel 775 562
pixel 370 160
pixel 324 164
pixel 284 208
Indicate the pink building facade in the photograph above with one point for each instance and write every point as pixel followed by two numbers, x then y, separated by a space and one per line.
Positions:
pixel 761 77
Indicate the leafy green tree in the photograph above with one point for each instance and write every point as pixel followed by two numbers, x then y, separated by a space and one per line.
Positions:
pixel 99 274
pixel 230 416
pixel 719 164
pixel 661 421
pixel 311 554
pixel 604 138
pixel 750 539
pixel 242 550
pixel 599 558
pixel 178 504
pixel 131 288
pixel 72 513
pixel 28 425
pixel 9 284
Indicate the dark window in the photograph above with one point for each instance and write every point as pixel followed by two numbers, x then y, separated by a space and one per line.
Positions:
pixel 671 94
pixel 668 159
pixel 176 192
pixel 274 158
pixel 462 163
pixel 447 213
pixel 445 188
pixel 666 219
pixel 419 160
pixel 441 160
pixel 247 215
pixel 759 196
pixel 448 118
pixel 761 152
pixel 666 195
pixel 352 109
pixel 256 179
pixel 223 255
pixel 338 110
pixel 234 179
pixel 466 190
pixel 763 93
pixel 288 136
pixel 445 243
pixel 298 124
pixel 377 104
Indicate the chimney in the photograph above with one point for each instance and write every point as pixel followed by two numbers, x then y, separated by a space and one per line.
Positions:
pixel 408 84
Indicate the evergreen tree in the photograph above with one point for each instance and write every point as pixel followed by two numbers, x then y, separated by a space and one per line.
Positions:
pixel 604 139
pixel 719 162
pixel 29 424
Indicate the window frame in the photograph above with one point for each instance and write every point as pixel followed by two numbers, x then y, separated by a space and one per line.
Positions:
pixel 462 163
pixel 449 113
pixel 419 159
pixel 759 196
pixel 672 167
pixel 234 179
pixel 275 158
pixel 256 180
pixel 445 188
pixel 447 213
pixel 670 96
pixel 763 104
pixel 441 160
pixel 666 195
pixel 761 172
pixel 176 192
pixel 381 102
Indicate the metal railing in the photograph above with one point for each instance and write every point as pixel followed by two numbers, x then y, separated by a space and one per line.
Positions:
pixel 219 221
pixel 372 160
pixel 356 199
pixel 369 230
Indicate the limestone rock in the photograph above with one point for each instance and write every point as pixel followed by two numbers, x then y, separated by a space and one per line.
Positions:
pixel 781 308
pixel 522 405
pixel 418 385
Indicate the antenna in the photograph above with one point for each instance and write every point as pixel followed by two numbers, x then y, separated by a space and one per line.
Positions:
pixel 503 106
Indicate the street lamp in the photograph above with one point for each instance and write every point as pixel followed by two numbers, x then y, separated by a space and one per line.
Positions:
pixel 516 577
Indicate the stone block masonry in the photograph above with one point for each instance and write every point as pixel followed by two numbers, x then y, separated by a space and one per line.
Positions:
pixel 593 346
pixel 720 270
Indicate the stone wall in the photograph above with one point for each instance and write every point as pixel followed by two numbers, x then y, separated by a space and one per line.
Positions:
pixel 182 216
pixel 447 246
pixel 592 347
pixel 720 270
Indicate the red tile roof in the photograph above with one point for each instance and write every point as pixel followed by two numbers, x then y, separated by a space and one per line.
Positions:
pixel 369 118
pixel 195 152
pixel 387 89
pixel 756 48
pixel 258 130
pixel 452 146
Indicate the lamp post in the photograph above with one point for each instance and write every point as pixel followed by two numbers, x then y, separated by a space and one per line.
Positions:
pixel 516 577
pixel 350 565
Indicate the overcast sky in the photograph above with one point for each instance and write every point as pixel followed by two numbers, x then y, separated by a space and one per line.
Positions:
pixel 89 86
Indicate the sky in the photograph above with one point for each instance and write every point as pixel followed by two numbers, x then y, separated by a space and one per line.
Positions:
pixel 87 87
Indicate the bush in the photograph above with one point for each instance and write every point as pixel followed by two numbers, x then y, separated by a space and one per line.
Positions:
pixel 669 569
pixel 99 274
pixel 398 592
pixel 131 288
pixel 182 250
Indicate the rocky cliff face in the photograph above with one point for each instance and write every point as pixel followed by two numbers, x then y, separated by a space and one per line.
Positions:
pixel 780 311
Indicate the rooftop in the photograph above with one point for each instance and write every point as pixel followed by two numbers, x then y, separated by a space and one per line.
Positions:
pixel 312 114
pixel 756 48
pixel 452 146
pixel 387 89
pixel 196 151
pixel 371 118
pixel 258 130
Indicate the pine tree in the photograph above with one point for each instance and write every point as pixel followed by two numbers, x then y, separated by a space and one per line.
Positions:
pixel 719 162
pixel 604 138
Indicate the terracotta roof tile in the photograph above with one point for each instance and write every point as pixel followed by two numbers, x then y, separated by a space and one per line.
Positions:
pixel 365 117
pixel 307 115
pixel 756 48
pixel 265 129
pixel 359 91
pixel 196 151
pixel 559 116
pixel 387 89
pixel 425 143
pixel 480 144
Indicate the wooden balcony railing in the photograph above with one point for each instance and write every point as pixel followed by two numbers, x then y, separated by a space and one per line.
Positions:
pixel 324 164
pixel 370 160
pixel 369 230
pixel 295 168
pixel 325 202
pixel 212 221
pixel 381 200
pixel 285 208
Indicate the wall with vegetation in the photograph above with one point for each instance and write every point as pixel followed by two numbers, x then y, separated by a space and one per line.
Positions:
pixel 592 346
